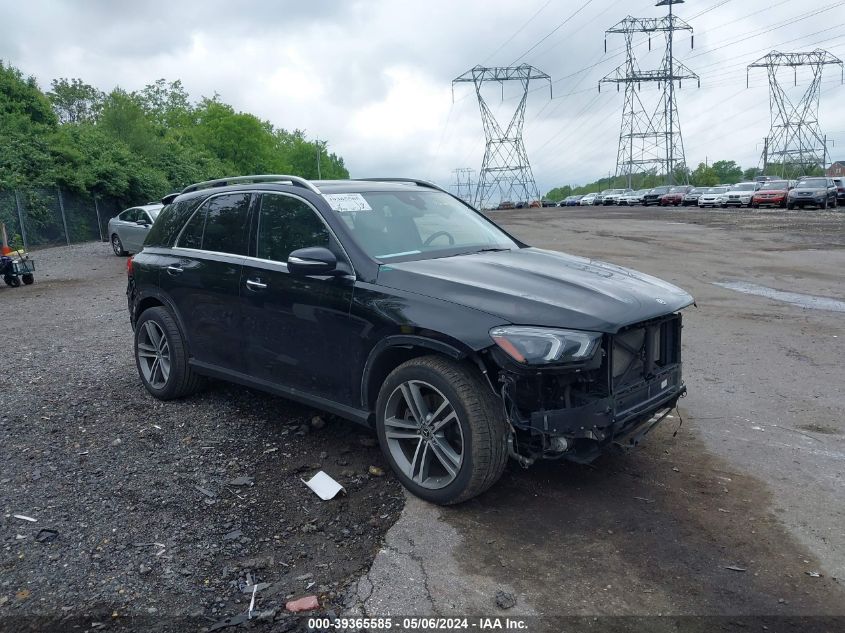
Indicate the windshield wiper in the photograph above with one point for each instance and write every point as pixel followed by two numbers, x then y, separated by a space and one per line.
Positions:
pixel 485 250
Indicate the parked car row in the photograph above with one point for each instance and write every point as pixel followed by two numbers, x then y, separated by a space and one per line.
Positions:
pixel 821 192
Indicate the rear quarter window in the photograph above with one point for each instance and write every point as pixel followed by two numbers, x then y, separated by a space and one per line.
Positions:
pixel 170 219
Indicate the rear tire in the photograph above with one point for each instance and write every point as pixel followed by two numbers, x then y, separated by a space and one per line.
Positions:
pixel 162 358
pixel 12 280
pixel 28 279
pixel 471 423
pixel 117 246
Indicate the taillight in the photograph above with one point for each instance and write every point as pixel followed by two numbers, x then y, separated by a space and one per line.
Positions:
pixel 129 266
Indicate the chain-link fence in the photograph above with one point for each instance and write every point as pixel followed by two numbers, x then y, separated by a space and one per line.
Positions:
pixel 53 216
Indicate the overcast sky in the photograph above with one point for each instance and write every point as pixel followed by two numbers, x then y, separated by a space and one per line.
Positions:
pixel 373 77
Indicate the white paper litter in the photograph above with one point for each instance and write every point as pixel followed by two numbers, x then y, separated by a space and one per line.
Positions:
pixel 24 518
pixel 324 486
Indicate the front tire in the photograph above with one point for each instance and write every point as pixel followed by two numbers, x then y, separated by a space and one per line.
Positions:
pixel 161 356
pixel 28 279
pixel 441 429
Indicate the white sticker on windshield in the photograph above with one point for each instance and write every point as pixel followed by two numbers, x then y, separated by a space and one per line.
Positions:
pixel 344 202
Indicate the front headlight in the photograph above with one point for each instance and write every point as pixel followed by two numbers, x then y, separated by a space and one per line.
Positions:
pixel 543 346
pixel 820 192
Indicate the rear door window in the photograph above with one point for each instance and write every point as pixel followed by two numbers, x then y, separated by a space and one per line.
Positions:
pixel 286 223
pixel 227 224
pixel 220 225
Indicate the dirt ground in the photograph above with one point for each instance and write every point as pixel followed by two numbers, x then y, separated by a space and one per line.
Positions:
pixel 157 510
pixel 739 516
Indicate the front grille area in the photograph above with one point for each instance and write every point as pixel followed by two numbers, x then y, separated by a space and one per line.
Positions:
pixel 640 352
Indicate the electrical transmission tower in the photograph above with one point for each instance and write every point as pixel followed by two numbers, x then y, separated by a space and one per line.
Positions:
pixel 795 144
pixel 463 183
pixel 650 140
pixel 505 171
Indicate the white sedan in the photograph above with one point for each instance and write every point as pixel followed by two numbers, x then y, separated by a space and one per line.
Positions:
pixel 128 229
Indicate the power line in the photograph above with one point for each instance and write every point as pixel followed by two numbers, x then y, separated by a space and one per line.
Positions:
pixel 553 31
pixel 517 32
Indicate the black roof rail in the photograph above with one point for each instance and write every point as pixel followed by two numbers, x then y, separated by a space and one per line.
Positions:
pixel 419 183
pixel 233 180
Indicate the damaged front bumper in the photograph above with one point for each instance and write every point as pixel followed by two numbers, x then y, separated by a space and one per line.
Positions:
pixel 578 413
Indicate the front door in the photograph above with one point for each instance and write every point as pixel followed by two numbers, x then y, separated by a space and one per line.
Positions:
pixel 298 332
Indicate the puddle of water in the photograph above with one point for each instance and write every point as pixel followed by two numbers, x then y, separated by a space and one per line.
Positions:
pixel 795 298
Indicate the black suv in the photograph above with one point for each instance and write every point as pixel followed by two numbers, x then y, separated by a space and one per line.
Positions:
pixel 395 304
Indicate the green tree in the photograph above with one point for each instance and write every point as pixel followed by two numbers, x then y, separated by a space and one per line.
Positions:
pixel 704 176
pixel 727 171
pixel 74 101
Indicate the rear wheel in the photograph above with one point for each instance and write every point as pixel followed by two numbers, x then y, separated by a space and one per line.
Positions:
pixel 441 429
pixel 12 280
pixel 161 356
pixel 28 279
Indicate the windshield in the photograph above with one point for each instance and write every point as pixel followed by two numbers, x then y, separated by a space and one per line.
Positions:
pixel 406 225
pixel 660 190
pixel 678 190
pixel 696 190
pixel 774 184
pixel 606 191
pixel 717 190
pixel 744 187
pixel 812 182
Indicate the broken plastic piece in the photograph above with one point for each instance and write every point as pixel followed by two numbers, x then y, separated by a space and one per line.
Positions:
pixel 324 486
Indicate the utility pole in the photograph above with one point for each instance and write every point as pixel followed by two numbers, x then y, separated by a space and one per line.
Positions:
pixel 795 141
pixel 463 183
pixel 320 145
pixel 650 140
pixel 505 171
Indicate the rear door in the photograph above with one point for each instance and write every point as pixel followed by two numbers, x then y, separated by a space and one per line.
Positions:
pixel 203 279
pixel 298 329
pixel 128 229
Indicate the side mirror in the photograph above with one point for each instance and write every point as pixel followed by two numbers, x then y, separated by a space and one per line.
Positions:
pixel 142 223
pixel 315 260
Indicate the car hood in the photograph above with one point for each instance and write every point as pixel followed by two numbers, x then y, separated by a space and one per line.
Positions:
pixel 807 189
pixel 774 191
pixel 532 286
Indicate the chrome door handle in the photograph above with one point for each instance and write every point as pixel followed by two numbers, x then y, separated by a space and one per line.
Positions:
pixel 255 285
pixel 174 270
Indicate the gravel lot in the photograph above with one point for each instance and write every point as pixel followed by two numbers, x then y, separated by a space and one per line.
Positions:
pixel 160 510
pixel 740 514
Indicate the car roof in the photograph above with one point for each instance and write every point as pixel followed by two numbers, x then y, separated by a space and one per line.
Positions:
pixel 357 186
pixel 145 207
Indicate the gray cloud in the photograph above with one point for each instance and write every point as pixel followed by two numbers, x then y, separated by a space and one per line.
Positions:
pixel 373 76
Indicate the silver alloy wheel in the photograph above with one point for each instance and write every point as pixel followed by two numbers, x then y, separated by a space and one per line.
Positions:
pixel 154 354
pixel 423 434
pixel 116 245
